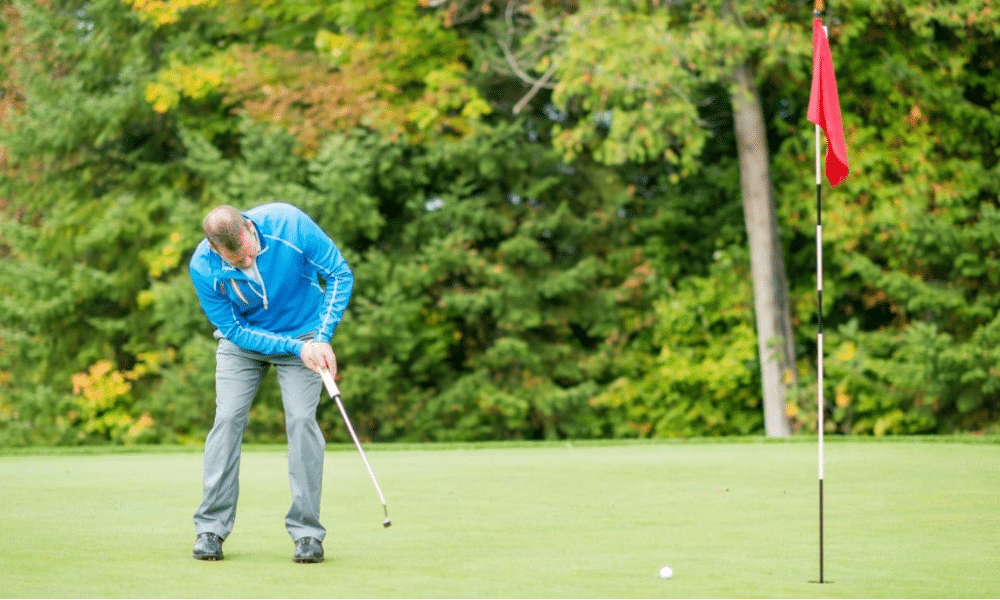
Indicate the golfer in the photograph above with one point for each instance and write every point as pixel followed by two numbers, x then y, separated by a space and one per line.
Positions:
pixel 257 278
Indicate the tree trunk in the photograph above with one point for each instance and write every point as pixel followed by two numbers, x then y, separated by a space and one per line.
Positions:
pixel 775 343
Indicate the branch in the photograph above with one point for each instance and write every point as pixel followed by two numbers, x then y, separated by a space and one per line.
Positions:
pixel 538 85
pixel 505 46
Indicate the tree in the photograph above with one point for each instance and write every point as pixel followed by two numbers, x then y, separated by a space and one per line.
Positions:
pixel 775 338
pixel 546 231
pixel 909 238
pixel 631 79
pixel 435 205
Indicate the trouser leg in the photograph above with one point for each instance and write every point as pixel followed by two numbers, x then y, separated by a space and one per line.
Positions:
pixel 237 378
pixel 300 392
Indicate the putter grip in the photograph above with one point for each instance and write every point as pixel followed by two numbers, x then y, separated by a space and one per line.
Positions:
pixel 331 385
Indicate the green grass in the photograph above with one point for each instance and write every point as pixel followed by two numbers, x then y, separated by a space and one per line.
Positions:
pixel 732 518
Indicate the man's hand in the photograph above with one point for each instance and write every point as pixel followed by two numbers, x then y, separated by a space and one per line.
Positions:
pixel 319 356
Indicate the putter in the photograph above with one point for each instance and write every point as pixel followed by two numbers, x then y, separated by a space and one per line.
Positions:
pixel 334 391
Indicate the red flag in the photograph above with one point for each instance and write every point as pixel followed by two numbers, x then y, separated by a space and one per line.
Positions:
pixel 824 106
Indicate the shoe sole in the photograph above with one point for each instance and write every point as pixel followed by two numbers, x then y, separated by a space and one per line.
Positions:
pixel 208 557
pixel 306 561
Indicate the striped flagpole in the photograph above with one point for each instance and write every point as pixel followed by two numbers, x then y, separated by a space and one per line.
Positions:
pixel 824 111
pixel 819 342
pixel 819 324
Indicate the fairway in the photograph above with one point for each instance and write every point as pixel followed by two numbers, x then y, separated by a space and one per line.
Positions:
pixel 904 519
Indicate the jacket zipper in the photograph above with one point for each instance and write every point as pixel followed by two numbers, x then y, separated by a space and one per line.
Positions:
pixel 236 288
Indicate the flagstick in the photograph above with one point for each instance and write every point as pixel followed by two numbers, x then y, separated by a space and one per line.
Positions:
pixel 819 325
pixel 819 341
pixel 824 111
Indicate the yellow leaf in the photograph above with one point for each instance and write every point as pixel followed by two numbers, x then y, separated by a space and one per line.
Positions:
pixel 847 351
pixel 80 381
pixel 144 299
pixel 100 368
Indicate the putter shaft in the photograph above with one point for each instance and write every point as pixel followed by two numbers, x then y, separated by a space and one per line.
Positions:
pixel 334 391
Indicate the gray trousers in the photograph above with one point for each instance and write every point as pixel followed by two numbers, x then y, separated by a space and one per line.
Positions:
pixel 238 375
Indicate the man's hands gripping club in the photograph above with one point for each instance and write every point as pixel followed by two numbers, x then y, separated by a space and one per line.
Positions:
pixel 319 357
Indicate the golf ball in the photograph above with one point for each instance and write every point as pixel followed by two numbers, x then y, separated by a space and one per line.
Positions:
pixel 666 572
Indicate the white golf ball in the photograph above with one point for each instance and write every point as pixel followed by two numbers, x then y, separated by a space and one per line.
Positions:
pixel 666 572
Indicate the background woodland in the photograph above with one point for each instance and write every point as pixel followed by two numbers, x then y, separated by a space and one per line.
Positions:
pixel 541 201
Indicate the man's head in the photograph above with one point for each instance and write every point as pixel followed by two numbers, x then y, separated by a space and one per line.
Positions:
pixel 231 235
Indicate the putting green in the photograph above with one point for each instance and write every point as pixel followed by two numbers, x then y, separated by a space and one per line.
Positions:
pixel 909 519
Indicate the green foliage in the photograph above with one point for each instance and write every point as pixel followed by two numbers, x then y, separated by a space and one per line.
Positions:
pixel 643 105
pixel 911 233
pixel 919 381
pixel 570 272
pixel 466 307
pixel 699 376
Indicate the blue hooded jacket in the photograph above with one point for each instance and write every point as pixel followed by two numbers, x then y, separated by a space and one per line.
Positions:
pixel 270 318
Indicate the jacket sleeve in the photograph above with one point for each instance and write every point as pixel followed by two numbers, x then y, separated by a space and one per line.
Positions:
pixel 326 258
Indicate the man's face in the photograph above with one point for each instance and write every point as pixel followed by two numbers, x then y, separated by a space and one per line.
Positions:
pixel 245 255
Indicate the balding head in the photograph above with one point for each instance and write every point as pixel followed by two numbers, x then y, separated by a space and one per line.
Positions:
pixel 224 227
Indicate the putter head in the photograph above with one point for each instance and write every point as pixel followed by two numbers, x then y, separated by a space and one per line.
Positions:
pixel 387 522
